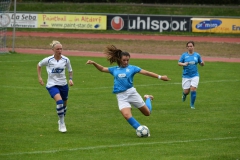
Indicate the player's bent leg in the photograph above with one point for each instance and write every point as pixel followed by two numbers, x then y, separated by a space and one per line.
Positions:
pixel 148 99
pixel 145 110
pixel 184 94
pixel 126 112
pixel 148 96
pixel 133 122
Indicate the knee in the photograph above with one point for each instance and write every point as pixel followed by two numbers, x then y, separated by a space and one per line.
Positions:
pixel 193 88
pixel 186 91
pixel 127 115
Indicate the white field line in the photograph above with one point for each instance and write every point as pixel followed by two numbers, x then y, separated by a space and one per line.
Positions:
pixel 107 87
pixel 115 146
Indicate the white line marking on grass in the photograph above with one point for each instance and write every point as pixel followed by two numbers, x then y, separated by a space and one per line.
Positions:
pixel 97 88
pixel 115 146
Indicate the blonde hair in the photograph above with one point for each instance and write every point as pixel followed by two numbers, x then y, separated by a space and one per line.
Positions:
pixel 54 42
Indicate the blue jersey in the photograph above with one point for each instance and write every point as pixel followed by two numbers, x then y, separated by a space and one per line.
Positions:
pixel 191 69
pixel 123 77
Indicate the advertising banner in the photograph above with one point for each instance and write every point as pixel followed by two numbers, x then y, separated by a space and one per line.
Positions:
pixel 148 23
pixel 23 20
pixel 62 21
pixel 216 25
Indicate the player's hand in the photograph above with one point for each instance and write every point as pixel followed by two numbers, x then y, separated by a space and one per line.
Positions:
pixel 40 81
pixel 165 78
pixel 186 64
pixel 71 82
pixel 202 63
pixel 89 62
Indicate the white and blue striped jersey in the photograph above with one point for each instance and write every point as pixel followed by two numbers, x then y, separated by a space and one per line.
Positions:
pixel 123 77
pixel 191 69
pixel 56 70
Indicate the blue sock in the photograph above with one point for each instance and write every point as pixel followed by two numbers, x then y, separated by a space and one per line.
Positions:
pixel 133 122
pixel 193 97
pixel 149 104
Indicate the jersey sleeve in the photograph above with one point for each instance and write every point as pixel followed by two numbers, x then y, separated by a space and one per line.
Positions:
pixel 43 62
pixel 181 59
pixel 199 59
pixel 137 69
pixel 69 67
pixel 111 69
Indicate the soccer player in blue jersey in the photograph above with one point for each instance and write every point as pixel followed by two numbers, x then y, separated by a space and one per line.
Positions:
pixel 190 76
pixel 57 83
pixel 123 75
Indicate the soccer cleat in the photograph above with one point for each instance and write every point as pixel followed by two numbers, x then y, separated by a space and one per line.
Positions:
pixel 148 96
pixel 184 97
pixel 62 127
pixel 192 107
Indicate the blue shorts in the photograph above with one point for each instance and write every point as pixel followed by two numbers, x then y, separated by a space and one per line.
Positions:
pixel 62 90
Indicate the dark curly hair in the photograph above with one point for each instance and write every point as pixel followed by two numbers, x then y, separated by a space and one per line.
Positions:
pixel 114 55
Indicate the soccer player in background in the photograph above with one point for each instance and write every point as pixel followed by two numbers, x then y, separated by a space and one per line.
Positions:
pixel 57 83
pixel 123 75
pixel 190 76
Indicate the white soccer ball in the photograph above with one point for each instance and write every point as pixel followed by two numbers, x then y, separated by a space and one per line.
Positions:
pixel 142 131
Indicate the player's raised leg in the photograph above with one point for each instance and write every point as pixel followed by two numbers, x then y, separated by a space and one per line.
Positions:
pixel 148 99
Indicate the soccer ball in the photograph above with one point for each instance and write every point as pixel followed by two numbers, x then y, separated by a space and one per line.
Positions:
pixel 142 131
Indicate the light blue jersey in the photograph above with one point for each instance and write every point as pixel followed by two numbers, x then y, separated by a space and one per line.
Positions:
pixel 191 69
pixel 123 77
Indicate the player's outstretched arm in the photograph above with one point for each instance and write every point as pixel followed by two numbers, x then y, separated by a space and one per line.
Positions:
pixel 98 66
pixel 154 75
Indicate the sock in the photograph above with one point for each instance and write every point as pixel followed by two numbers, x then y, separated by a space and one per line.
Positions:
pixel 65 110
pixel 60 110
pixel 149 104
pixel 193 97
pixel 133 122
pixel 64 107
pixel 184 94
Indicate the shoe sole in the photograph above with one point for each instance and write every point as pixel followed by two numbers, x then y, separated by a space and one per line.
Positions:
pixel 148 96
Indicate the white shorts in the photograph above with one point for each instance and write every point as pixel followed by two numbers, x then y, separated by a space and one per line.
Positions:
pixel 188 82
pixel 128 98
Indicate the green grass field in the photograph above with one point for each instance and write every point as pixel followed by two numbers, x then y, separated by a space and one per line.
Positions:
pixel 96 129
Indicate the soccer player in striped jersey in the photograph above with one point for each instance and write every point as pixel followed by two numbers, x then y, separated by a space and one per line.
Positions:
pixel 190 76
pixel 123 75
pixel 57 85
